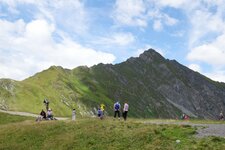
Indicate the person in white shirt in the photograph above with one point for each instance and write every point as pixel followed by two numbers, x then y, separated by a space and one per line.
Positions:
pixel 74 115
pixel 49 114
pixel 125 111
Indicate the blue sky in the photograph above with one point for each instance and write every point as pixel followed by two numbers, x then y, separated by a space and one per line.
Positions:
pixel 35 35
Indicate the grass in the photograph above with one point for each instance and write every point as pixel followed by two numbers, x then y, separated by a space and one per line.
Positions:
pixel 6 118
pixel 92 133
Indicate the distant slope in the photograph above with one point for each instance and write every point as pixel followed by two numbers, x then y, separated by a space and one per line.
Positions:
pixel 152 85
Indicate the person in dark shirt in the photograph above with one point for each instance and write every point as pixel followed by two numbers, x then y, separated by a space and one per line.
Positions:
pixel 43 114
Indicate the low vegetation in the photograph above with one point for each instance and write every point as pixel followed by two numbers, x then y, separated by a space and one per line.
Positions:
pixel 6 118
pixel 92 133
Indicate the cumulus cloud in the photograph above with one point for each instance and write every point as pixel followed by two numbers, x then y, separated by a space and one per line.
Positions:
pixel 139 13
pixel 161 19
pixel 117 39
pixel 216 75
pixel 130 13
pixel 27 48
pixel 195 67
pixel 68 15
pixel 157 25
pixel 211 54
pixel 31 44
pixel 169 3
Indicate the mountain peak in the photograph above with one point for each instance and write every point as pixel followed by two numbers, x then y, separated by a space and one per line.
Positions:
pixel 151 55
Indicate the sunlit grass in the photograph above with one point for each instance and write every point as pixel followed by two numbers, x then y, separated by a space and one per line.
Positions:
pixel 92 133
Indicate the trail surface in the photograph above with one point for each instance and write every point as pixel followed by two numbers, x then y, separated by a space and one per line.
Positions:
pixel 28 114
pixel 203 130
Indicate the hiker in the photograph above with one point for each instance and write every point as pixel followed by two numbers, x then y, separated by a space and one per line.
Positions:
pixel 49 114
pixel 183 116
pixel 186 117
pixel 46 103
pixel 102 106
pixel 100 113
pixel 74 114
pixel 221 117
pixel 43 114
pixel 117 110
pixel 125 111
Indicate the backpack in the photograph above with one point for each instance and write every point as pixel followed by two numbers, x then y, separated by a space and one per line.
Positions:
pixel 117 106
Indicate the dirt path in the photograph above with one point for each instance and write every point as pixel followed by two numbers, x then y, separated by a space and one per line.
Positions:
pixel 203 130
pixel 28 114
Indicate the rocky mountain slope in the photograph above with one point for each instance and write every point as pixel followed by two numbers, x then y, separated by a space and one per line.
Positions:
pixel 152 85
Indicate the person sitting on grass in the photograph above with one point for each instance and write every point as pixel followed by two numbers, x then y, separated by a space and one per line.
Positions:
pixel 43 114
pixel 49 114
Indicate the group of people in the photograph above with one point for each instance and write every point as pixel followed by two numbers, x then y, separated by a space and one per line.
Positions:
pixel 101 110
pixel 117 110
pixel 185 117
pixel 44 115
pixel 48 115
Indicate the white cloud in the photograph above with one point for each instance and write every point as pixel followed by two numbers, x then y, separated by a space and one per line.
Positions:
pixel 170 3
pixel 212 53
pixel 27 48
pixel 195 67
pixel 178 33
pixel 157 25
pixel 130 12
pixel 161 19
pixel 169 20
pixel 117 39
pixel 217 75
pixel 204 23
pixel 70 15
pixel 140 12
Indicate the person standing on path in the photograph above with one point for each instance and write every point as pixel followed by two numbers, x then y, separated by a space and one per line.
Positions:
pixel 221 117
pixel 100 113
pixel 102 107
pixel 74 115
pixel 117 110
pixel 125 111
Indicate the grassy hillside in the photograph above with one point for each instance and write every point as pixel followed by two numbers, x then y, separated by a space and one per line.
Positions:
pixel 7 118
pixel 153 86
pixel 61 87
pixel 102 134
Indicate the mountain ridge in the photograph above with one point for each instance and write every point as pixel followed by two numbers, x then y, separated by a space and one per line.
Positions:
pixel 153 86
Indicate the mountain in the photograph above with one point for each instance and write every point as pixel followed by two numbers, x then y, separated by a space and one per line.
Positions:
pixel 152 85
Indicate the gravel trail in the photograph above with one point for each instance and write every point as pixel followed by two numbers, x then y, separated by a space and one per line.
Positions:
pixel 28 114
pixel 203 130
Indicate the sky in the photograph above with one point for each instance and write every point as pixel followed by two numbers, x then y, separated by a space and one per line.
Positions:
pixel 35 35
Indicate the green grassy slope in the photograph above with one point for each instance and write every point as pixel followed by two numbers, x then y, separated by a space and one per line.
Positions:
pixel 65 89
pixel 146 83
pixel 7 118
pixel 102 134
